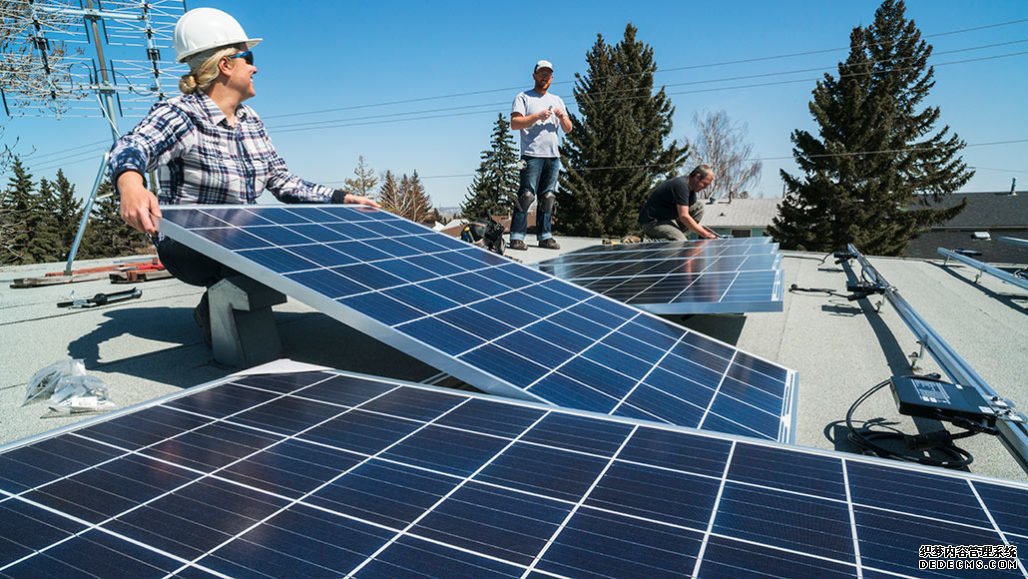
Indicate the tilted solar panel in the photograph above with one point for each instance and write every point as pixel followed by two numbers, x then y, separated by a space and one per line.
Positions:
pixel 710 276
pixel 333 474
pixel 498 325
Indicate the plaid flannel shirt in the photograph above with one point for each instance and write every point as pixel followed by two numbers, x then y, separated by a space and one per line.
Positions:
pixel 201 159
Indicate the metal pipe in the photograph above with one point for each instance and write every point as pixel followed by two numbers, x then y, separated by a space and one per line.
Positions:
pixel 984 267
pixel 1014 436
pixel 85 213
pixel 1014 241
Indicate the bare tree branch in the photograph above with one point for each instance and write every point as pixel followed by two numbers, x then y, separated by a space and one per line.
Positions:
pixel 721 144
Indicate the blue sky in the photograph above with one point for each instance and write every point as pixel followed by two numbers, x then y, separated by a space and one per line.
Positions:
pixel 327 67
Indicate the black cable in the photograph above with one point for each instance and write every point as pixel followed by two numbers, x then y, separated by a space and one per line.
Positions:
pixel 941 441
pixel 816 290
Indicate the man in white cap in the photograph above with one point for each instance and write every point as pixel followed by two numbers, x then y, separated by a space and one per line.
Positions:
pixel 207 146
pixel 538 115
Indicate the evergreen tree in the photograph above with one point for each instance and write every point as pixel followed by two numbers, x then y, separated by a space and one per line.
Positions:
pixel 365 182
pixel 26 230
pixel 619 147
pixel 389 194
pixel 67 213
pixel 877 154
pixel 46 238
pixel 496 181
pixel 107 235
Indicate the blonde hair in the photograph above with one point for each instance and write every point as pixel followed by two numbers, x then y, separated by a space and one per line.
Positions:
pixel 203 69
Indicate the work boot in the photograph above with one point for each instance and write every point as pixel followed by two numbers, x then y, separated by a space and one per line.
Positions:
pixel 518 244
pixel 202 317
pixel 550 243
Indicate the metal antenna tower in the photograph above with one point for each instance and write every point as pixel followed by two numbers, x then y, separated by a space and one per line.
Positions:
pixel 41 76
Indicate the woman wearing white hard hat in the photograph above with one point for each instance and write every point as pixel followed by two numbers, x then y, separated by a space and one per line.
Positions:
pixel 207 146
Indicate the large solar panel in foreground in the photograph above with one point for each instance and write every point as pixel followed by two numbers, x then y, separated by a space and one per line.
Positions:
pixel 709 276
pixel 498 325
pixel 329 474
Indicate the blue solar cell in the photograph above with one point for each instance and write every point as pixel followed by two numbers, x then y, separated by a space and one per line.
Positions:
pixel 328 283
pixel 446 450
pixel 223 401
pixel 676 450
pixel 344 390
pixel 475 310
pixel 361 431
pixel 279 260
pixel 595 543
pixel 31 466
pixel 1007 506
pixel 655 494
pixel 284 546
pixel 323 255
pixel 877 486
pixel 494 522
pixel 800 523
pixel 891 541
pixel 143 428
pixel 550 472
pixel 487 418
pixel 415 558
pixel 578 433
pixel 211 447
pixel 95 554
pixel 196 518
pixel 661 405
pixel 286 415
pixel 728 558
pixel 290 468
pixel 234 239
pixel 25 529
pixel 424 406
pixel 384 493
pixel 787 470
pixel 278 236
pixel 382 308
pixel 754 418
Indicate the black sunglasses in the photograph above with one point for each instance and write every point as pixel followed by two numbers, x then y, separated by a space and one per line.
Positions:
pixel 247 56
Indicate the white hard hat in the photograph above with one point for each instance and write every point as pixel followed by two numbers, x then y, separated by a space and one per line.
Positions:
pixel 202 29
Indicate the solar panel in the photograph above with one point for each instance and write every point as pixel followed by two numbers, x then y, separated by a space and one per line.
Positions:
pixel 334 474
pixel 710 276
pixel 498 325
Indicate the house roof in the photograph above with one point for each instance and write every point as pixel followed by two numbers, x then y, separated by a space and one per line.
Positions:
pixel 150 346
pixel 987 211
pixel 741 213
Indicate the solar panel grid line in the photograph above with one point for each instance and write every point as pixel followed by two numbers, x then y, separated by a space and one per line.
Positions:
pixel 992 520
pixel 578 505
pixel 853 522
pixel 326 483
pixel 713 513
pixel 710 404
pixel 442 499
pixel 469 371
pixel 730 463
pixel 765 254
pixel 98 526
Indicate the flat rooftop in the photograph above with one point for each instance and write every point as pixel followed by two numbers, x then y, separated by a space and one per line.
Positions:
pixel 148 347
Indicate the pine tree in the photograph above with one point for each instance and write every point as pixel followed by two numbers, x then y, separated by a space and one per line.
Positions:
pixel 877 154
pixel 67 213
pixel 107 235
pixel 365 182
pixel 619 147
pixel 27 232
pixel 496 180
pixel 389 195
pixel 46 238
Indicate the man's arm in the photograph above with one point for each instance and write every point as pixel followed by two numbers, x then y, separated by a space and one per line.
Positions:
pixel 689 223
pixel 519 121
pixel 564 118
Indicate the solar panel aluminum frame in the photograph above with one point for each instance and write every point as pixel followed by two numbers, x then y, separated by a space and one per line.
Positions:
pixel 715 437
pixel 411 345
pixel 775 304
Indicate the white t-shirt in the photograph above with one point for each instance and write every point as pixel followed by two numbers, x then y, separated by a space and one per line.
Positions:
pixel 540 139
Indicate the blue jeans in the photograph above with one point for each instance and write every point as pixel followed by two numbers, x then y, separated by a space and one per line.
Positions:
pixel 538 177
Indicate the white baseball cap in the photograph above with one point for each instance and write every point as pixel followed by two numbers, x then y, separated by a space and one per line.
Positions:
pixel 543 64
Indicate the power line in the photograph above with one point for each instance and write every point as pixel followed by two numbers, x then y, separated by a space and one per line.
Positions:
pixel 660 70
